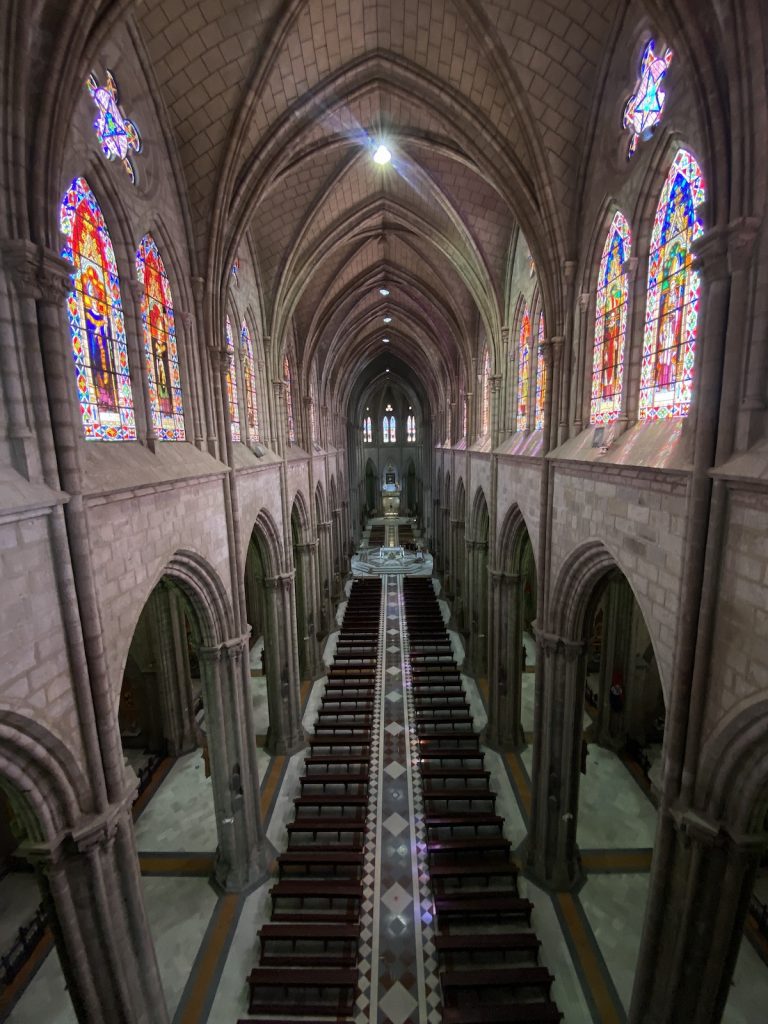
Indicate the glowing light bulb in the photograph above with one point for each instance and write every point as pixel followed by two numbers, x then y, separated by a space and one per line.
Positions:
pixel 387 319
pixel 382 155
pixel 385 340
pixel 384 292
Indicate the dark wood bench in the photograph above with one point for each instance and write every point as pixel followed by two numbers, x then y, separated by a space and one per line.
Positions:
pixel 326 825
pixel 339 982
pixel 458 870
pixel 340 899
pixel 451 754
pixel 483 979
pixel 324 779
pixel 336 760
pixel 355 801
pixel 469 844
pixel 337 862
pixel 502 1013
pixel 338 944
pixel 484 943
pixel 482 904
pixel 469 819
pixel 456 738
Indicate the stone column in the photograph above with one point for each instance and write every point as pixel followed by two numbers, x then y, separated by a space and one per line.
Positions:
pixel 708 876
pixel 614 657
pixel 326 573
pixel 336 590
pixel 282 670
pixel 242 853
pixel 306 556
pixel 171 656
pixel 146 428
pixel 505 662
pixel 584 353
pixel 92 892
pixel 552 856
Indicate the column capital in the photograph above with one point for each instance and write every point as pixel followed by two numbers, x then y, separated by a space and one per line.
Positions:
pixel 584 301
pixel 37 272
pixel 710 252
pixel 553 644
pixel 214 652
pixel 187 318
pixel 741 242
pixel 306 546
pixel 280 580
pixel 506 577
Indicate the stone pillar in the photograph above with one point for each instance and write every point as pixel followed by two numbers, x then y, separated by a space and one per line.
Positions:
pixel 281 666
pixel 92 891
pixel 505 663
pixel 306 557
pixel 707 875
pixel 552 856
pixel 146 428
pixel 326 574
pixel 336 590
pixel 242 854
pixel 171 656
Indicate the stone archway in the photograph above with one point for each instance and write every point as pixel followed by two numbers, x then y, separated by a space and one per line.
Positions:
pixel 76 846
pixel 271 589
pixel 478 584
pixel 512 617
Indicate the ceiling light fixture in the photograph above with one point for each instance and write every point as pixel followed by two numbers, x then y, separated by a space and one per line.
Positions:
pixel 385 340
pixel 384 292
pixel 387 319
pixel 382 155
pixel 386 371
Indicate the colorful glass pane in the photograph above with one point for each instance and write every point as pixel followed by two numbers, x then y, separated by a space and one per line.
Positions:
pixel 611 309
pixel 411 428
pixel 524 372
pixel 645 106
pixel 385 430
pixel 464 416
pixel 289 401
pixel 486 410
pixel 367 430
pixel 96 319
pixel 234 408
pixel 672 312
pixel 236 270
pixel 541 377
pixel 249 383
pixel 160 351
pixel 118 136
pixel 392 430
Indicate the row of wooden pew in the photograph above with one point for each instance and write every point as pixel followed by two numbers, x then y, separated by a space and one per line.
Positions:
pixel 309 950
pixel 489 957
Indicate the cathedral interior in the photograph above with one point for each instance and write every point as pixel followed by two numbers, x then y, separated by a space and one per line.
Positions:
pixel 383 511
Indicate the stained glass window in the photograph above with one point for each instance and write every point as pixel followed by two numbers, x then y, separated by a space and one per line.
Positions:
pixel 524 372
pixel 234 408
pixel 367 430
pixel 541 377
pixel 118 136
pixel 672 312
pixel 410 426
pixel 385 430
pixel 96 319
pixel 464 416
pixel 486 409
pixel 646 105
pixel 611 309
pixel 289 401
pixel 160 352
pixel 249 383
pixel 236 270
pixel 392 430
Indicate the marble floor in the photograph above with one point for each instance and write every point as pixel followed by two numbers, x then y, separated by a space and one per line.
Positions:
pixel 589 940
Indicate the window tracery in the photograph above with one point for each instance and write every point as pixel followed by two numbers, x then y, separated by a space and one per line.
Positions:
pixel 234 408
pixel 611 310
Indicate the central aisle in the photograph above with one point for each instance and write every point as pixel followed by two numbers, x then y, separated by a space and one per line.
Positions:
pixel 401 965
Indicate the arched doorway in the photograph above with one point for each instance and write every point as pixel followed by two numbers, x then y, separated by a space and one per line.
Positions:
pixel 512 649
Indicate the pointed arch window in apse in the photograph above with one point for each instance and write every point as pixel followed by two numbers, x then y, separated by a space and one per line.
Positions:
pixel 611 309
pixel 541 377
pixel 160 350
pixel 367 430
pixel 524 372
pixel 672 311
pixel 410 426
pixel 234 408
pixel 289 401
pixel 249 383
pixel 385 430
pixel 486 413
pixel 392 430
pixel 96 320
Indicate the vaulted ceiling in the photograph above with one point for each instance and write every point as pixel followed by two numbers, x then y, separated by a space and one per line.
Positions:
pixel 276 107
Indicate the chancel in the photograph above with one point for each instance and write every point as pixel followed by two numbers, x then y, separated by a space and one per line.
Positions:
pixel 384 511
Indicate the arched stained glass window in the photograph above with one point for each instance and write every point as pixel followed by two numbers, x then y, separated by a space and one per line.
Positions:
pixel 385 430
pixel 96 319
pixel 672 313
pixel 524 372
pixel 410 426
pixel 249 383
pixel 367 430
pixel 464 416
pixel 289 401
pixel 611 309
pixel 541 377
pixel 160 352
pixel 234 408
pixel 486 411
pixel 392 430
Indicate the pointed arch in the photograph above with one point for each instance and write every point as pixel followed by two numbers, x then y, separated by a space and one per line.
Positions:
pixel 672 298
pixel 160 349
pixel 96 319
pixel 611 318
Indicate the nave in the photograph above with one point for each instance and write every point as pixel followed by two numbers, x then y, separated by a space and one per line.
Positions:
pixel 208 943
